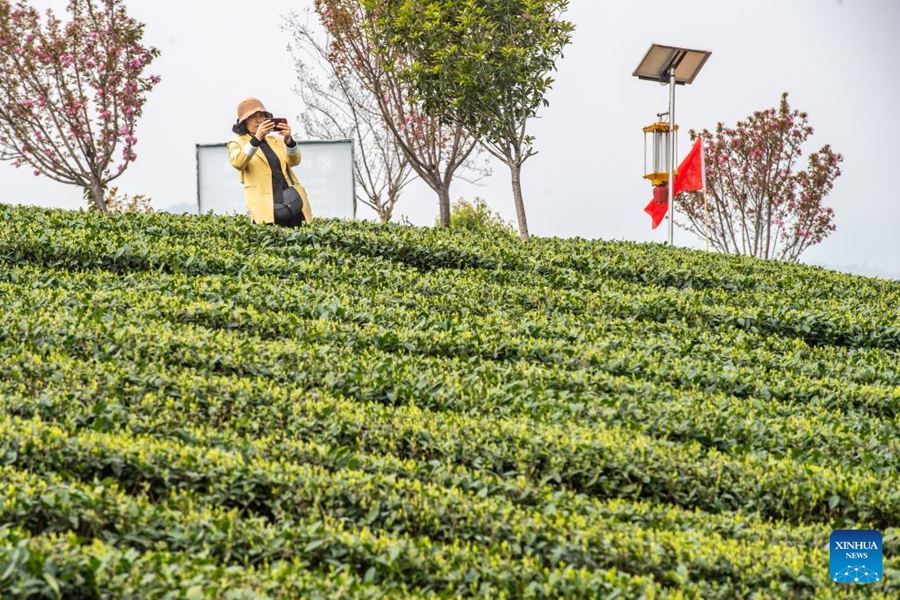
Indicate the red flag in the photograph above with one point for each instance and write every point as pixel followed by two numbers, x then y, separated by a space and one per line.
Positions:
pixel 690 171
pixel 659 205
pixel 689 178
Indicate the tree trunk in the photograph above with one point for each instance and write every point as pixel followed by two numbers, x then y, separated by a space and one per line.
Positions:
pixel 516 171
pixel 444 205
pixel 97 195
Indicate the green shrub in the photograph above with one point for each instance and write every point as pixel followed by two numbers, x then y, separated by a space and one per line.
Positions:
pixel 477 216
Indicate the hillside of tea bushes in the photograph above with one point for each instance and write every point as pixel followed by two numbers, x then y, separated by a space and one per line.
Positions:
pixel 198 407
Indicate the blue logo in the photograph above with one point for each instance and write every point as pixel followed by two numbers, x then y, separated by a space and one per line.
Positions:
pixel 855 556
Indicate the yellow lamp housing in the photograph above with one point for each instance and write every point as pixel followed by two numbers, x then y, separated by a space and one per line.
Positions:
pixel 659 156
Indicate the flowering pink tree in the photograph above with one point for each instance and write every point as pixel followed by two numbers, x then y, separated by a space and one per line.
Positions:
pixel 72 92
pixel 360 51
pixel 338 106
pixel 757 203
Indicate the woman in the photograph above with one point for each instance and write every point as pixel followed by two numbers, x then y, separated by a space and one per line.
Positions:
pixel 271 189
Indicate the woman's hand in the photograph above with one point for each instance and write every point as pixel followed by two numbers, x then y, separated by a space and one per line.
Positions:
pixel 264 129
pixel 285 130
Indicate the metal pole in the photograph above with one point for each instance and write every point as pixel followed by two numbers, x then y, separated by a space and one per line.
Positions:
pixel 197 162
pixel 705 198
pixel 705 192
pixel 353 174
pixel 706 220
pixel 671 154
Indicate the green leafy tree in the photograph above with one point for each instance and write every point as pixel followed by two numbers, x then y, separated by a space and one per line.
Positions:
pixel 484 65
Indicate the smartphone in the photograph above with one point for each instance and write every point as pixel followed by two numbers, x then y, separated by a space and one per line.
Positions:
pixel 278 121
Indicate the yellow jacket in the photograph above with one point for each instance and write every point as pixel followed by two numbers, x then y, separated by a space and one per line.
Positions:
pixel 257 176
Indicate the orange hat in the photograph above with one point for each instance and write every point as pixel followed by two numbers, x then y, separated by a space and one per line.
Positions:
pixel 248 107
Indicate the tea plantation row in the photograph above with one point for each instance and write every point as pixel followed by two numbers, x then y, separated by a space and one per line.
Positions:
pixel 198 407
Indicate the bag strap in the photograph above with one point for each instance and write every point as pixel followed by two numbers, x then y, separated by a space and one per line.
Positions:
pixel 290 175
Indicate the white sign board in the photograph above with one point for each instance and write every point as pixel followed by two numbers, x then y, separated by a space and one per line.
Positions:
pixel 325 171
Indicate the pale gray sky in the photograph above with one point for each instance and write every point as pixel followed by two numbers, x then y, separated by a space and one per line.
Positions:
pixel 834 57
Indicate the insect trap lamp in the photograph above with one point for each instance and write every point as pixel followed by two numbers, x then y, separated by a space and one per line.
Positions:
pixel 673 66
